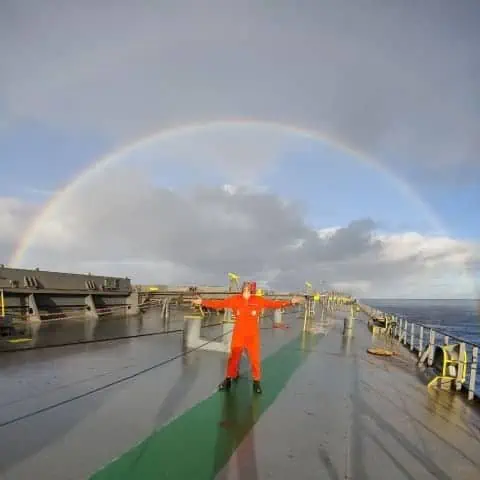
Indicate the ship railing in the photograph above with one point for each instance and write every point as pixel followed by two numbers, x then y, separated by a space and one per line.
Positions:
pixel 418 337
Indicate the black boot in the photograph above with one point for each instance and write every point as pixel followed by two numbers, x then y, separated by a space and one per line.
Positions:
pixel 257 388
pixel 226 384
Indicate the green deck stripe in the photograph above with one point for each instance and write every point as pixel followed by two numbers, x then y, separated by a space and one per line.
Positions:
pixel 199 443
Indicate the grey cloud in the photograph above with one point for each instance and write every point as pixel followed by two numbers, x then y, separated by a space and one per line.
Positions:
pixel 15 217
pixel 121 224
pixel 6 250
pixel 396 79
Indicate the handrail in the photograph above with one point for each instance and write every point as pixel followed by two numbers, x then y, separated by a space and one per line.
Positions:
pixel 404 331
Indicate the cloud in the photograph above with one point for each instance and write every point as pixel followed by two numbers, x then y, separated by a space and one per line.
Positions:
pixel 237 151
pixel 127 226
pixel 397 80
pixel 15 216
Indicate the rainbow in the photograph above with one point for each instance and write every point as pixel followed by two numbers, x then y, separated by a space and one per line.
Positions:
pixel 188 129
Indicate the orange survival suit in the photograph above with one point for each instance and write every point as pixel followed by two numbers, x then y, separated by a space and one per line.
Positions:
pixel 246 332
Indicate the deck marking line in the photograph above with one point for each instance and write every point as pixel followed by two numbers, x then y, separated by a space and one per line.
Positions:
pixel 198 443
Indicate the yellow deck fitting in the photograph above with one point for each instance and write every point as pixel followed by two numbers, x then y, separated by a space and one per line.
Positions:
pixel 450 361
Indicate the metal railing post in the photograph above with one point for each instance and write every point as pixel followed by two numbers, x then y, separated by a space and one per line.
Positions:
pixel 431 344
pixel 412 336
pixel 473 374
pixel 461 366
pixel 420 346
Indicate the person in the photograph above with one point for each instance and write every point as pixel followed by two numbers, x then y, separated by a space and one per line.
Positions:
pixel 246 332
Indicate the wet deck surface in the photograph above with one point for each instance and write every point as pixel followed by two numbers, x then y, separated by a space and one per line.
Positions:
pixel 55 332
pixel 329 410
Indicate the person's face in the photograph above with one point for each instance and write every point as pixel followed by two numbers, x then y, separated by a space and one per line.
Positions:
pixel 246 291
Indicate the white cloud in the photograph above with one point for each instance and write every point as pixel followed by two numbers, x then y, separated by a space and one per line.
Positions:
pixel 423 265
pixel 453 252
pixel 359 287
pixel 326 233
pixel 235 189
pixel 126 226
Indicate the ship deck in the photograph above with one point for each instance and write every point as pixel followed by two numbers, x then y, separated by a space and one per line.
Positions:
pixel 145 408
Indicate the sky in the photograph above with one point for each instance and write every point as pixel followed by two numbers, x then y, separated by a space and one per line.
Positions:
pixel 326 141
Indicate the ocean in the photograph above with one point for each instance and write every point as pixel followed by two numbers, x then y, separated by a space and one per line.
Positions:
pixel 460 318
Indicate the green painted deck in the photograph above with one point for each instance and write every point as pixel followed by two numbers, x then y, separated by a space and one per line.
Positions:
pixel 143 411
pixel 211 431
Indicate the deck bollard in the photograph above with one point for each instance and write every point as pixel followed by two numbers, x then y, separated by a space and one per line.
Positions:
pixel 133 303
pixel 192 331
pixel 348 326
pixel 193 339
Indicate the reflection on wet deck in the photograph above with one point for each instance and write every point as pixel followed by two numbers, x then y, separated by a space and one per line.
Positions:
pixel 329 410
pixel 81 330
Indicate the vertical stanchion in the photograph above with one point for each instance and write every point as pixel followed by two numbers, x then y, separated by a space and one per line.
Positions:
pixel 431 344
pixel 2 303
pixel 461 366
pixel 162 314
pixel 405 331
pixel 420 344
pixel 473 374
pixel 446 340
pixel 412 336
pixel 305 316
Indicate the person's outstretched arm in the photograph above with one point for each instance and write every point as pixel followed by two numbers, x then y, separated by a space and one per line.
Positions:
pixel 217 304
pixel 267 303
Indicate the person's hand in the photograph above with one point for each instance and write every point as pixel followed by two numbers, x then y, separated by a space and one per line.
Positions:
pixel 197 301
pixel 297 300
